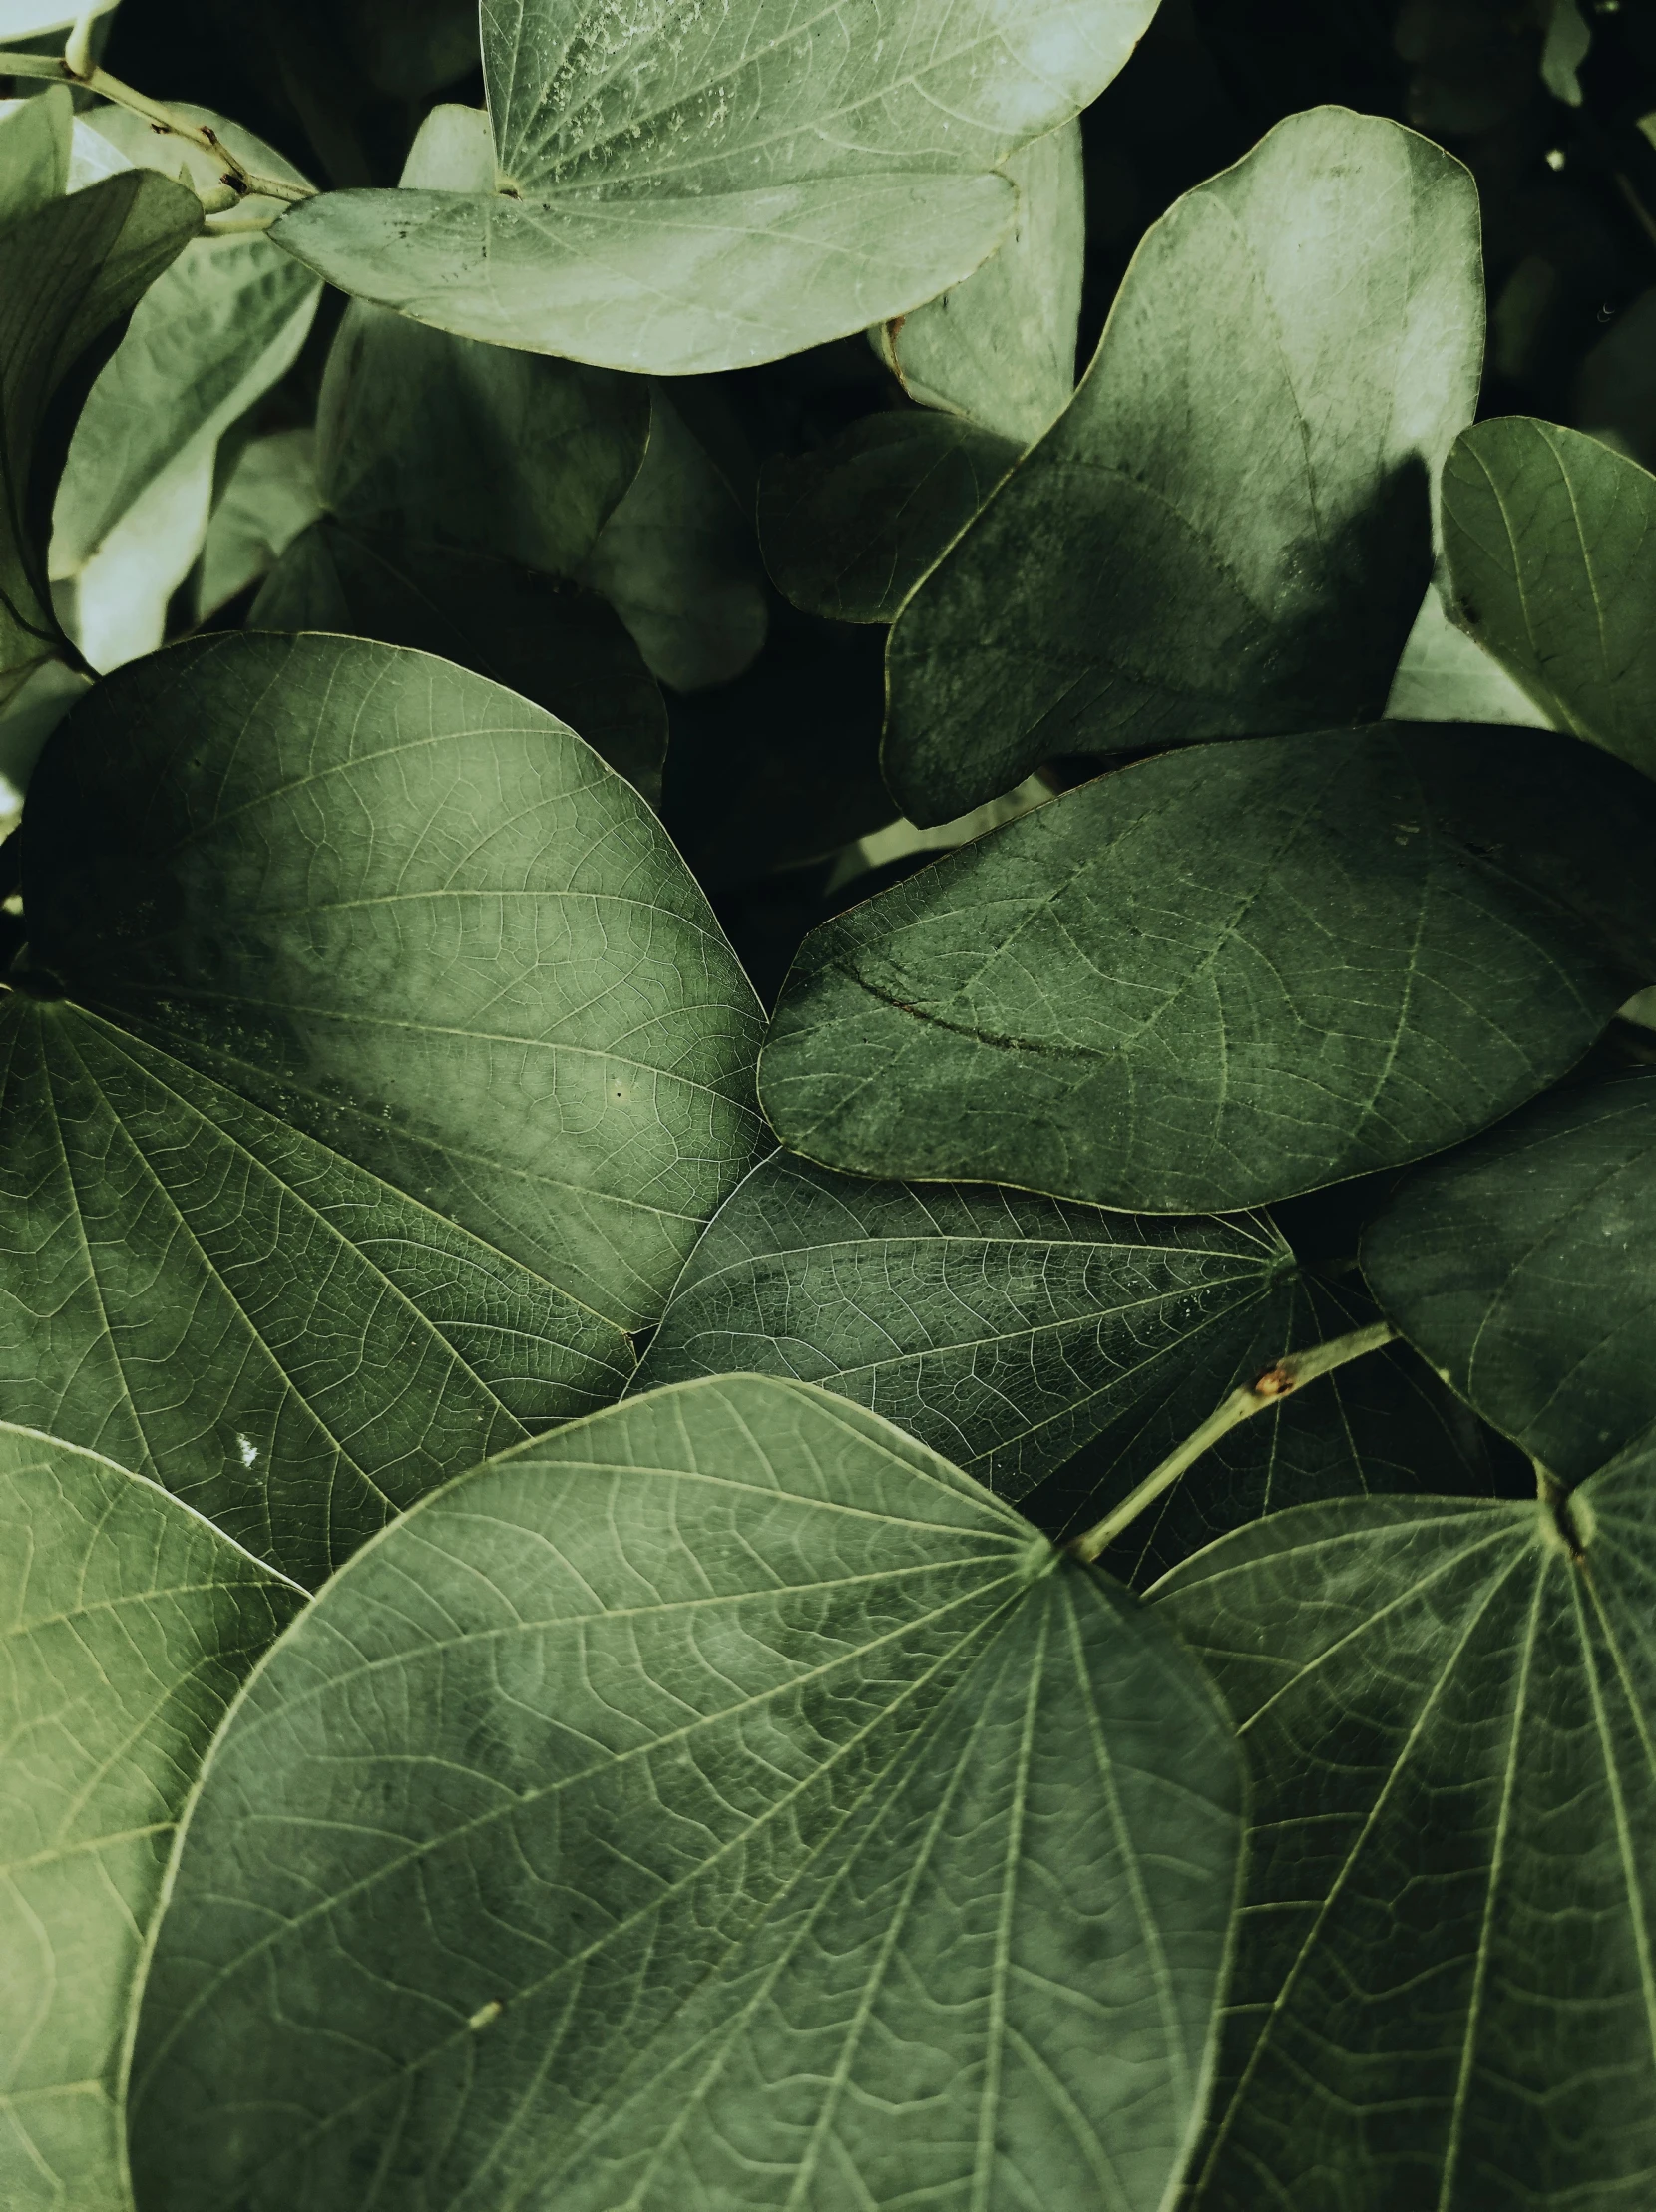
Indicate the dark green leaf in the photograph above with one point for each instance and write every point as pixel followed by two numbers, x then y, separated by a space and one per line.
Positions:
pixel 849 529
pixel 126 1627
pixel 1002 1330
pixel 1442 1986
pixel 67 272
pixel 724 1801
pixel 557 644
pixel 1551 543
pixel 1228 973
pixel 1229 532
pixel 1519 1266
pixel 682 189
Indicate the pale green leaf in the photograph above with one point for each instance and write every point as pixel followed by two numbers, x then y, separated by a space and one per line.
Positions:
pixel 35 139
pixel 1517 1266
pixel 1227 973
pixel 126 1627
pixel 1228 531
pixel 687 188
pixel 1442 1991
pixel 1000 348
pixel 267 500
pixel 722 1802
pixel 1551 545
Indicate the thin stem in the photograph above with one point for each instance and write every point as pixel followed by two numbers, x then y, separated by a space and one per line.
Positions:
pixel 1268 1389
pixel 234 172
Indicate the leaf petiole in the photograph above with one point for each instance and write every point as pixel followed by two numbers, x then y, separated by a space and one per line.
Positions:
pixel 1268 1389
pixel 235 172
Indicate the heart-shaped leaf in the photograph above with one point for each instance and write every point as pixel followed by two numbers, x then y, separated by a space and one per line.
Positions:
pixel 67 272
pixel 1551 545
pixel 850 529
pixel 1228 531
pixel 1002 1330
pixel 126 1627
pixel 1228 973
pixel 682 189
pixel 560 645
pixel 1000 349
pixel 1442 1991
pixel 739 1807
pixel 352 1152
pixel 1516 1265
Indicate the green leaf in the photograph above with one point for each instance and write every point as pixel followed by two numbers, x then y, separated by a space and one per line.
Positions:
pixel 850 529
pixel 208 339
pixel 266 500
pixel 126 1627
pixel 1517 1266
pixel 679 563
pixel 1549 537
pixel 687 189
pixel 1229 532
pixel 35 137
pixel 1442 1991
pixel 557 644
pixel 1000 348
pixel 294 1347
pixel 739 1807
pixel 67 272
pixel 1000 1329
pixel 1228 973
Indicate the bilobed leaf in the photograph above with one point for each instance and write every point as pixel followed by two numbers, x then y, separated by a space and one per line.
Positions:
pixel 67 273
pixel 1517 1266
pixel 1228 973
pixel 682 189
pixel 739 1807
pixel 850 529
pixel 1227 532
pixel 344 1158
pixel 555 644
pixel 1441 1993
pixel 1551 545
pixel 1000 348
pixel 1002 1330
pixel 126 1627
pixel 35 137
pixel 212 334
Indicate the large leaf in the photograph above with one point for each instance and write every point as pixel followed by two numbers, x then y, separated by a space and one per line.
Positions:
pixel 1442 1986
pixel 1228 531
pixel 67 272
pixel 850 527
pixel 1000 1329
pixel 215 332
pixel 126 1626
pixel 1519 1266
pixel 1228 973
pixel 35 139
pixel 722 1802
pixel 692 188
pixel 560 645
pixel 1000 348
pixel 1551 545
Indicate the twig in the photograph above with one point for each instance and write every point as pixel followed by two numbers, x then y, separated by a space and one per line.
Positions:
pixel 1268 1389
pixel 234 172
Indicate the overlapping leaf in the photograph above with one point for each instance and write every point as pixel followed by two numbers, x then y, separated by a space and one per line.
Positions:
pixel 1228 531
pixel 1002 1330
pixel 67 272
pixel 850 529
pixel 1551 545
pixel 1000 349
pixel 126 1626
pixel 682 189
pixel 1441 1993
pixel 1228 973
pixel 35 139
pixel 1518 1266
pixel 723 1800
